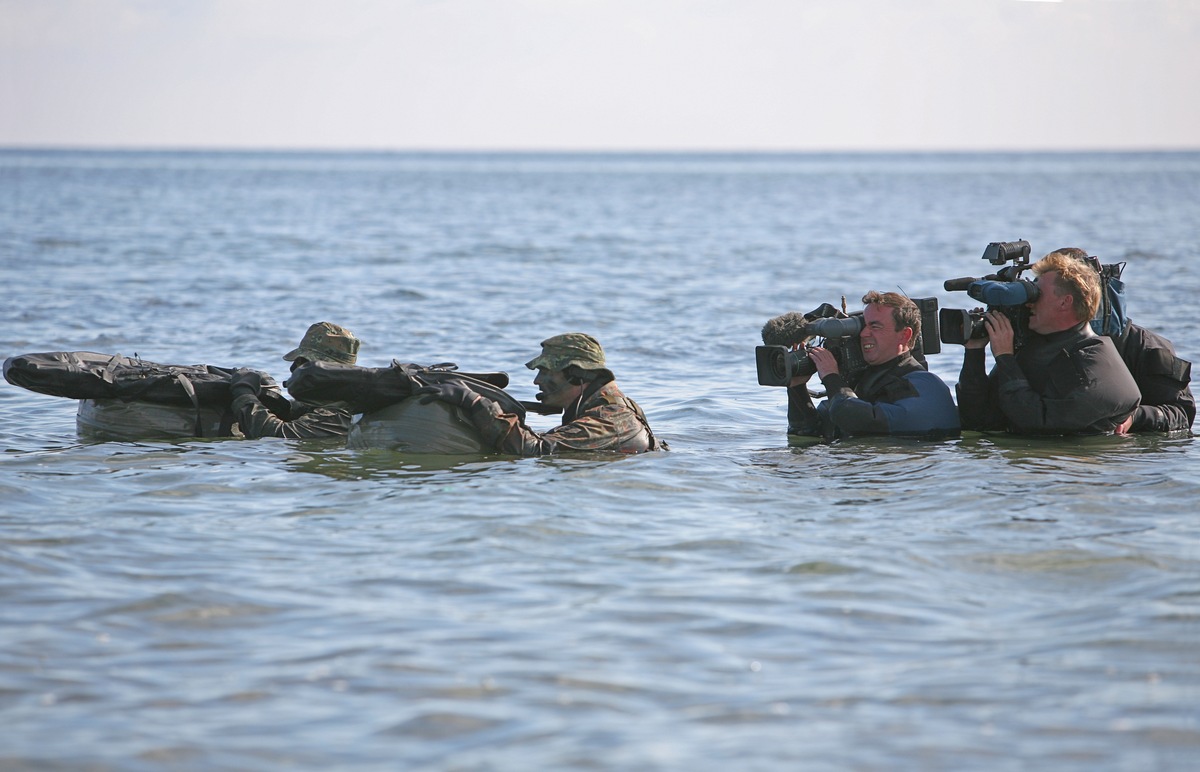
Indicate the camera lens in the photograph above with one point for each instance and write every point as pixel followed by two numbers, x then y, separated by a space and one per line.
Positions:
pixel 836 328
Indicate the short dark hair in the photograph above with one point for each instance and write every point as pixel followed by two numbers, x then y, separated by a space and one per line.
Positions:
pixel 904 312
pixel 577 373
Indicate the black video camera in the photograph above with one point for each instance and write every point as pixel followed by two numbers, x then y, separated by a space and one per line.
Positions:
pixel 1003 291
pixel 778 364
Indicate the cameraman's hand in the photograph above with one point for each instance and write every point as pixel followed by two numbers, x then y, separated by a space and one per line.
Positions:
pixel 1000 333
pixel 973 342
pixel 798 380
pixel 825 361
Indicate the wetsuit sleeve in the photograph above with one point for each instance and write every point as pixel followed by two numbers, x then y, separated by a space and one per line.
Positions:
pixel 920 404
pixel 307 422
pixel 1161 418
pixel 849 413
pixel 1089 395
pixel 976 408
pixel 803 418
pixel 1167 401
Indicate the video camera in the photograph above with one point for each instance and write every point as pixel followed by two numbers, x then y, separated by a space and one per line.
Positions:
pixel 838 332
pixel 1003 291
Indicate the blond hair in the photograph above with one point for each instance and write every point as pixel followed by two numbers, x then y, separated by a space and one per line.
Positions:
pixel 1074 278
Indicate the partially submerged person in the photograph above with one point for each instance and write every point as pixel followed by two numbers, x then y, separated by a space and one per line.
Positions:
pixel 894 395
pixel 1161 376
pixel 323 342
pixel 571 374
pixel 1065 380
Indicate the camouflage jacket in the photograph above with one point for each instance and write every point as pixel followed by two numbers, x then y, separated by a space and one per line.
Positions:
pixel 603 419
pixel 306 421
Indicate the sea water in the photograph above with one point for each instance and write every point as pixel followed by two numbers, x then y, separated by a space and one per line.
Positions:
pixel 735 603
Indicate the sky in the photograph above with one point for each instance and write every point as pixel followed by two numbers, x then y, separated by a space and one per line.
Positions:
pixel 602 75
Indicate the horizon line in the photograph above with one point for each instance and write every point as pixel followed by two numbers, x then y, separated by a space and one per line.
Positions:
pixel 596 151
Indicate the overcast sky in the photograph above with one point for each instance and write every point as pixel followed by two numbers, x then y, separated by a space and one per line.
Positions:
pixel 601 74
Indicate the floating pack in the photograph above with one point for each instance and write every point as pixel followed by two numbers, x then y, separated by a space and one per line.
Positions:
pixel 363 389
pixel 114 420
pixel 391 417
pixel 130 398
pixel 88 375
pixel 412 427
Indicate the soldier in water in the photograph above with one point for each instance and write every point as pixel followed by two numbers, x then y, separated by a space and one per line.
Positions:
pixel 571 374
pixel 323 342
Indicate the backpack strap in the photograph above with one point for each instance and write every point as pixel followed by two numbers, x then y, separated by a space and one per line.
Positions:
pixel 190 390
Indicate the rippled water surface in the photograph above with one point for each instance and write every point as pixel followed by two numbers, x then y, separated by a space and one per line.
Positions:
pixel 736 603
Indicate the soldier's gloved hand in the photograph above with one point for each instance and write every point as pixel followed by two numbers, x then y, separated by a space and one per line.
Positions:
pixel 450 392
pixel 249 382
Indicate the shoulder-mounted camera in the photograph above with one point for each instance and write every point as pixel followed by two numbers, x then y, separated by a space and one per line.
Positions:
pixel 788 339
pixel 1004 291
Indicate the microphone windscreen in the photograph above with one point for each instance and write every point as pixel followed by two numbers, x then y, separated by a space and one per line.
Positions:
pixel 958 285
pixel 786 330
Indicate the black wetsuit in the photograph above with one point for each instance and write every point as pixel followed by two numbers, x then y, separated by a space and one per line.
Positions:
pixel 1068 382
pixel 1163 378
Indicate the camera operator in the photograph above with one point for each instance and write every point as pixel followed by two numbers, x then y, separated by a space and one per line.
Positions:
pixel 1065 380
pixel 1162 377
pixel 894 395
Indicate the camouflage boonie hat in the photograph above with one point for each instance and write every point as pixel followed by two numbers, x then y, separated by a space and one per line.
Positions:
pixel 328 343
pixel 572 348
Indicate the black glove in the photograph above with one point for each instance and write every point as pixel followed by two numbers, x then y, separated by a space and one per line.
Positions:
pixel 279 405
pixel 450 392
pixel 249 382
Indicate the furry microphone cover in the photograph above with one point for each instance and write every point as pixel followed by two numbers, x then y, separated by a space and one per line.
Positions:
pixel 786 330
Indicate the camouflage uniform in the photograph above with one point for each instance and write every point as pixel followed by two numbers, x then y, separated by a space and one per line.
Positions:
pixel 322 342
pixel 305 422
pixel 601 419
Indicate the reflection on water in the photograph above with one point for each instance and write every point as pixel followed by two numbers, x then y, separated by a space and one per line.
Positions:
pixel 345 464
pixel 739 602
pixel 376 463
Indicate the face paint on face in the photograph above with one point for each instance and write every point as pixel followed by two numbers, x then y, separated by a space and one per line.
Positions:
pixel 296 364
pixel 556 390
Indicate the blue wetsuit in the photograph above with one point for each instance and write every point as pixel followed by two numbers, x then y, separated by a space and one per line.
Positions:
pixel 899 397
